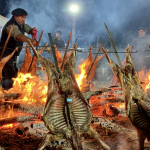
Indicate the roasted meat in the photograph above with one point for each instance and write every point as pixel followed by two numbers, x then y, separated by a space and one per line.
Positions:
pixel 27 61
pixel 67 113
pixel 137 104
pixel 32 68
pixel 58 56
pixel 4 61
pixel 92 72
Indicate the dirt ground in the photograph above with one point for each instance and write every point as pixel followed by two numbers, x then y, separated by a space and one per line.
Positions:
pixel 9 140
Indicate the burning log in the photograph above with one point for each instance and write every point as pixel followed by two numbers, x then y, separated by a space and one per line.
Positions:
pixel 18 119
pixel 89 94
pixel 20 130
pixel 61 117
pixel 9 95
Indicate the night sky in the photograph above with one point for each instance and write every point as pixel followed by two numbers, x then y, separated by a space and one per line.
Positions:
pixel 123 18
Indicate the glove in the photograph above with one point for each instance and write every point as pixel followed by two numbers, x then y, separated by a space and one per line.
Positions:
pixel 34 33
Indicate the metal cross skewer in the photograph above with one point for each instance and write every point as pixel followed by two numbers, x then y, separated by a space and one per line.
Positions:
pixel 113 46
pixel 54 55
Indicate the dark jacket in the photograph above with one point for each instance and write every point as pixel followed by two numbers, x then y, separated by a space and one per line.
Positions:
pixel 12 43
pixel 59 43
pixel 140 58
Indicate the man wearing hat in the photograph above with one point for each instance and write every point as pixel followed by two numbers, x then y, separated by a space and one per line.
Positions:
pixel 141 58
pixel 57 40
pixel 17 38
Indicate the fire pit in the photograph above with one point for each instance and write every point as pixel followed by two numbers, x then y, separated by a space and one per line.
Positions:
pixel 22 106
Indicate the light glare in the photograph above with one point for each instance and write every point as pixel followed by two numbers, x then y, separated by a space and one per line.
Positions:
pixel 74 8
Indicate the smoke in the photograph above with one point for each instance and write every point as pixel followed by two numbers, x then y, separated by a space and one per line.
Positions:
pixel 123 19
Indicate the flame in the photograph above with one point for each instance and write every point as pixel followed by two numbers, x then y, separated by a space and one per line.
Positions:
pixel 148 85
pixel 84 68
pixel 80 78
pixel 34 90
pixel 8 126
pixel 31 88
pixel 144 75
pixel 119 105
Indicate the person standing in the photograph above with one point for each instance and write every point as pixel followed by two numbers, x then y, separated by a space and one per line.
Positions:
pixel 141 44
pixel 17 38
pixel 58 40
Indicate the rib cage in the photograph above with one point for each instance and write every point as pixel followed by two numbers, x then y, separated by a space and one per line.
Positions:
pixel 57 117
pixel 80 111
pixel 136 101
pixel 57 114
pixel 65 119
pixel 141 119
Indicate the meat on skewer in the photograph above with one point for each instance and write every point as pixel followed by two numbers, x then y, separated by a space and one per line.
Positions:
pixel 27 61
pixel 4 61
pixel 65 119
pixel 137 104
pixel 32 69
pixel 92 72
pixel 58 56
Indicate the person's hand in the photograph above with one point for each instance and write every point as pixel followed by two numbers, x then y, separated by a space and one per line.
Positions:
pixel 34 42
pixel 34 33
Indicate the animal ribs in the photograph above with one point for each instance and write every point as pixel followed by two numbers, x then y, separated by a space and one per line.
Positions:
pixel 137 104
pixel 62 118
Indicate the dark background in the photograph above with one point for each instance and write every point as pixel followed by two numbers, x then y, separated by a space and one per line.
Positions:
pixel 123 18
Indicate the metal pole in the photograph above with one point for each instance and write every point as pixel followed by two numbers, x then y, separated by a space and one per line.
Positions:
pixel 73 30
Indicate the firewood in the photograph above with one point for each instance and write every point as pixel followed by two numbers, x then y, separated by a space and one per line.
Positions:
pixel 18 119
pixel 9 95
pixel 89 94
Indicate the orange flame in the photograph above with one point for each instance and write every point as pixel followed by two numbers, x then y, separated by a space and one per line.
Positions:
pixel 145 76
pixel 31 88
pixel 8 126
pixel 84 68
pixel 80 78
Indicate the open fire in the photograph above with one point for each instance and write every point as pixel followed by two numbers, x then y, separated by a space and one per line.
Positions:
pixel 33 90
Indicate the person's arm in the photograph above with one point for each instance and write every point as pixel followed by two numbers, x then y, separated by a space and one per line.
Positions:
pixel 23 38
pixel 18 36
pixel 33 31
pixel 27 29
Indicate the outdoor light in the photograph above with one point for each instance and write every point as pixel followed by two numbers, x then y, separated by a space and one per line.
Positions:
pixel 74 8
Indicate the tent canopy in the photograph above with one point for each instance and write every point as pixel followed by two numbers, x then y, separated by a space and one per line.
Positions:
pixel 3 20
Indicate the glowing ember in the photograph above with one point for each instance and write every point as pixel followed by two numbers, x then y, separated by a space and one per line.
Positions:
pixel 8 126
pixel 119 105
